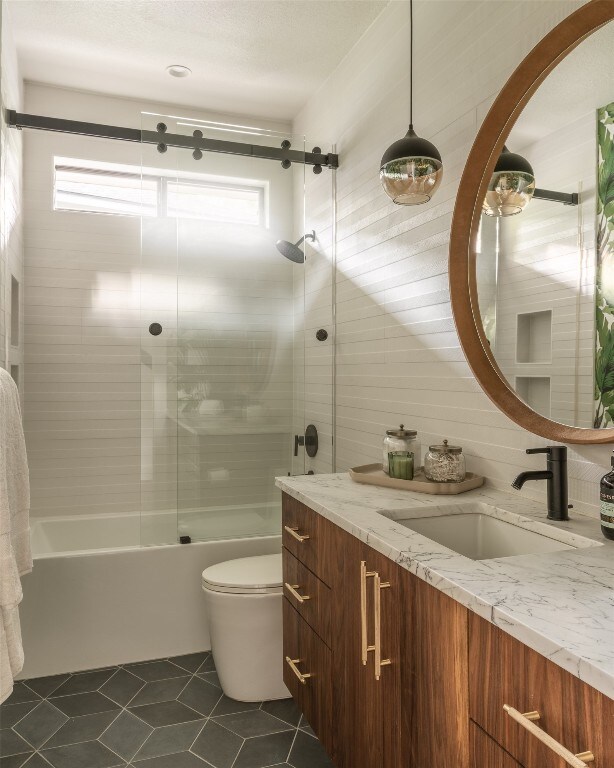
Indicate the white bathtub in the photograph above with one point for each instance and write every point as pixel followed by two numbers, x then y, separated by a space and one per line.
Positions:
pixel 120 602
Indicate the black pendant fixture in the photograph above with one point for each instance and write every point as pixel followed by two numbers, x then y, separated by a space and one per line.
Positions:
pixel 411 169
pixel 511 187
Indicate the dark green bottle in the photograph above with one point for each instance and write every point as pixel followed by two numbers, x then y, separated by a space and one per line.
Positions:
pixel 607 503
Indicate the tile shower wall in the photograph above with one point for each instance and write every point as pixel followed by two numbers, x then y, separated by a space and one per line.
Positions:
pixel 83 328
pixel 11 221
pixel 398 355
pixel 547 264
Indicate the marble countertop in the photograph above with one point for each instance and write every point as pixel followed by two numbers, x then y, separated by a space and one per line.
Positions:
pixel 561 604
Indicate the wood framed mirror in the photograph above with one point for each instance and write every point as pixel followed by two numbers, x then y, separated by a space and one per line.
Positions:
pixel 526 295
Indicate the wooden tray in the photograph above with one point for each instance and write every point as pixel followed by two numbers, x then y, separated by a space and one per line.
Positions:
pixel 373 474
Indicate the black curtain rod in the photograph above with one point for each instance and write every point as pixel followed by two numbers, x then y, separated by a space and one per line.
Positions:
pixel 164 140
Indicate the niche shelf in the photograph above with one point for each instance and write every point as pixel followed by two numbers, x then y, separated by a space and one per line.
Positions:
pixel 535 391
pixel 534 337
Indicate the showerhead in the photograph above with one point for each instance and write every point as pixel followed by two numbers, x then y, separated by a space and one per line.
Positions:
pixel 292 251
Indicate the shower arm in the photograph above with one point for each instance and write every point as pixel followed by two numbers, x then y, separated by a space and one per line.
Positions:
pixel 164 140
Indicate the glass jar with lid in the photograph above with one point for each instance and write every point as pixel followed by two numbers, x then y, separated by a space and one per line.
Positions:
pixel 400 439
pixel 445 463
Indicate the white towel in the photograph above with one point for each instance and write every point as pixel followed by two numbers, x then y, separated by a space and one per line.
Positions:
pixel 15 552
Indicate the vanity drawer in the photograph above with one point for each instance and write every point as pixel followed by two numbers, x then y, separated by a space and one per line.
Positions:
pixel 504 671
pixel 486 753
pixel 309 537
pixel 308 674
pixel 308 595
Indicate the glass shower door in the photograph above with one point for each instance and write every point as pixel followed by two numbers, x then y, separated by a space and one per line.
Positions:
pixel 226 385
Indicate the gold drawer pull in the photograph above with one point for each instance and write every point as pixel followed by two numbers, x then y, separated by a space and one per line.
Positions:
pixel 302 676
pixel 295 535
pixel 292 590
pixel 527 719
pixel 364 646
pixel 378 585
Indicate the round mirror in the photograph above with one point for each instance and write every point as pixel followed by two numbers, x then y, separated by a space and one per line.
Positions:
pixel 532 247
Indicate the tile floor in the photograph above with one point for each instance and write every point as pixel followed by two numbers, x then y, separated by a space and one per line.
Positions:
pixel 169 713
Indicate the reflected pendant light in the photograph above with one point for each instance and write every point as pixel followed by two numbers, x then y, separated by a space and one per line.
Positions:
pixel 411 169
pixel 511 186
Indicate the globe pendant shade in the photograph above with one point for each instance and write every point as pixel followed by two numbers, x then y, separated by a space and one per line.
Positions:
pixel 411 170
pixel 511 186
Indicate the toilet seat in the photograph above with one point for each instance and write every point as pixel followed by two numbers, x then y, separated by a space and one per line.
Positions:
pixel 245 576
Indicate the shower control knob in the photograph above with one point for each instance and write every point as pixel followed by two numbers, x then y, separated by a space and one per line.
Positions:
pixel 321 334
pixel 155 329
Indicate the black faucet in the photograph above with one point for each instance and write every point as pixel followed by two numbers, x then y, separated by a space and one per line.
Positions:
pixel 556 475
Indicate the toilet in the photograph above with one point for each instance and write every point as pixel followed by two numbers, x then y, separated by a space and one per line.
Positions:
pixel 244 607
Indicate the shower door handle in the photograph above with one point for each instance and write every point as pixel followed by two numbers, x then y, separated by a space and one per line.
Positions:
pixel 298 440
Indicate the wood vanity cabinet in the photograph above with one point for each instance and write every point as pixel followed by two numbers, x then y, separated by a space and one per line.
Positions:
pixel 504 671
pixel 408 711
pixel 436 700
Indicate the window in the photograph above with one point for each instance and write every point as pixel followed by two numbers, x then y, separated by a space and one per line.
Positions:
pixel 104 188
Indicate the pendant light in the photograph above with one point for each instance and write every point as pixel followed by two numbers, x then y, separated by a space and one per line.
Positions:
pixel 511 186
pixel 411 169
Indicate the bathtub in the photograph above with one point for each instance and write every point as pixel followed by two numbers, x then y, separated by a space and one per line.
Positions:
pixel 122 602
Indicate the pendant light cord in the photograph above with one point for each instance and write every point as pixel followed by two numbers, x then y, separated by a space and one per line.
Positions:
pixel 411 63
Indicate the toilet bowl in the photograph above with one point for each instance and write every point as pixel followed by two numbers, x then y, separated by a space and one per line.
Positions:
pixel 244 607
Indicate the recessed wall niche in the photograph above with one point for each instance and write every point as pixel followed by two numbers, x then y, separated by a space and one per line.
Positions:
pixel 14 312
pixel 535 391
pixel 15 373
pixel 534 337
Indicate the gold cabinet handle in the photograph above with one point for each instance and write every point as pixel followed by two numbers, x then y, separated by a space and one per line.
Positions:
pixel 364 646
pixel 295 535
pixel 292 590
pixel 526 719
pixel 378 585
pixel 302 676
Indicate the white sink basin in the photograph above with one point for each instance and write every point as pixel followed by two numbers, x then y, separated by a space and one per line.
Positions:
pixel 479 532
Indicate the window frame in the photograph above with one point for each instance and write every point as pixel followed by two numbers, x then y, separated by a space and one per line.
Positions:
pixel 162 182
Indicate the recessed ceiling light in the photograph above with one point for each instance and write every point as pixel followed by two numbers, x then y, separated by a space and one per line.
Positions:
pixel 178 70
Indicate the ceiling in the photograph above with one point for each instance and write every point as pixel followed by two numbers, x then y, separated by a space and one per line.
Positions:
pixel 251 57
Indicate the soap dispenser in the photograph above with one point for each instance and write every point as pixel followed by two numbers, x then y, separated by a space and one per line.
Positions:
pixel 607 503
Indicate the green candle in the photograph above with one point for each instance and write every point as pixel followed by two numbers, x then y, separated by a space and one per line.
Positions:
pixel 401 465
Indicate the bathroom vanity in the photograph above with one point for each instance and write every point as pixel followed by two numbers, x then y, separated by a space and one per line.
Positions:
pixel 401 651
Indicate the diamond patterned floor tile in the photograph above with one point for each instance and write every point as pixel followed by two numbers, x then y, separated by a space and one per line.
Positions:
pixel 307 752
pixel 84 704
pixel 179 760
pixel 284 709
pixel 200 696
pixel 191 662
pixel 263 751
pixel 12 744
pixel 165 713
pixel 85 728
pixel 13 713
pixel 21 693
pixel 248 724
pixel 41 723
pixel 228 706
pixel 92 754
pixel 122 687
pixel 170 739
pixel 217 746
pixel 84 682
pixel 45 686
pixel 126 735
pixel 16 761
pixel 160 690
pixel 151 715
pixel 155 670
